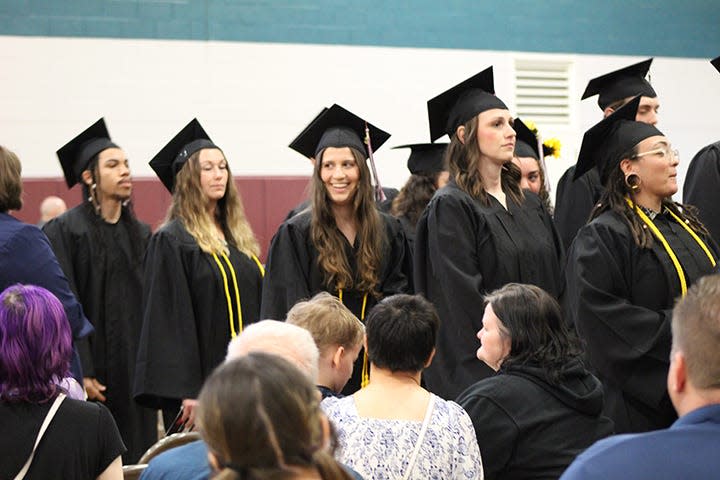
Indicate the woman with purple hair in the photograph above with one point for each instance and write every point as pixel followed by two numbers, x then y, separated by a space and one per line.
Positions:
pixel 79 439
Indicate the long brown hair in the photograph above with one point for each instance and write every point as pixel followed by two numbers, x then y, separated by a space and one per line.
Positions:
pixel 463 161
pixel 414 196
pixel 10 181
pixel 189 204
pixel 260 416
pixel 329 241
pixel 614 199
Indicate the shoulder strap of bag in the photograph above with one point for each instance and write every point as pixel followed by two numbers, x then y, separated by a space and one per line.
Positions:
pixel 421 437
pixel 48 418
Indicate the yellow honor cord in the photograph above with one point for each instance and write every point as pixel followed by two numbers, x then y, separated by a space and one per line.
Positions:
pixel 227 295
pixel 365 376
pixel 260 265
pixel 695 236
pixel 237 292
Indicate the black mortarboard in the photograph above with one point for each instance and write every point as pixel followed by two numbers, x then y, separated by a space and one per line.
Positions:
pixel 425 157
pixel 337 127
pixel 716 63
pixel 75 155
pixel 168 162
pixel 626 82
pixel 526 144
pixel 454 107
pixel 604 144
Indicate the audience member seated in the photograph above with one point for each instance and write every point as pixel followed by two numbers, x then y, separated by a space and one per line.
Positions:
pixel 338 335
pixel 290 342
pixel 689 448
pixel 79 440
pixel 543 407
pixel 260 417
pixel 394 428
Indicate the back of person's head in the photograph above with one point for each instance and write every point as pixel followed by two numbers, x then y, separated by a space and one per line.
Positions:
pixel 10 181
pixel 329 322
pixel 293 343
pixel 35 344
pixel 532 319
pixel 401 332
pixel 261 419
pixel 696 332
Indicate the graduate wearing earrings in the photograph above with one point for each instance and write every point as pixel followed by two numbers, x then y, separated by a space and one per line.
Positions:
pixel 203 279
pixel 640 252
pixel 343 245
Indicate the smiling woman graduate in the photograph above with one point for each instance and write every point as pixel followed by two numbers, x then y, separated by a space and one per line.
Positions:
pixel 480 231
pixel 342 245
pixel 627 266
pixel 202 275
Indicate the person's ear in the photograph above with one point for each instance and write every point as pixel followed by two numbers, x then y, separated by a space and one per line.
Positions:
pixel 628 166
pixel 87 177
pixel 608 111
pixel 460 132
pixel 677 374
pixel 365 342
pixel 430 358
pixel 337 356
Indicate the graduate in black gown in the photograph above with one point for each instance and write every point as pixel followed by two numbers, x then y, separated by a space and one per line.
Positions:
pixel 427 175
pixel 480 231
pixel 203 279
pixel 626 267
pixel 702 183
pixel 532 168
pixel 100 246
pixel 578 195
pixel 342 245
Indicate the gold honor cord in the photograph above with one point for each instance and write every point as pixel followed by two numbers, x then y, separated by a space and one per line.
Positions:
pixel 365 377
pixel 233 333
pixel 260 265
pixel 666 245
pixel 237 292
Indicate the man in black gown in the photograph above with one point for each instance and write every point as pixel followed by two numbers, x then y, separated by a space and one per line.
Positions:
pixel 100 246
pixel 576 198
pixel 702 183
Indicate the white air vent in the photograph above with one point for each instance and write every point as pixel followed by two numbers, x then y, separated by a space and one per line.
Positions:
pixel 542 91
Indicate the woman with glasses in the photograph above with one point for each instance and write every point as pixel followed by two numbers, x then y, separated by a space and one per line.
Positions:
pixel 640 252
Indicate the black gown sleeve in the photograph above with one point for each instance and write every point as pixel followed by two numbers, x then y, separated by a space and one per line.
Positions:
pixel 398 277
pixel 286 276
pixel 627 344
pixel 574 203
pixel 169 361
pixel 702 187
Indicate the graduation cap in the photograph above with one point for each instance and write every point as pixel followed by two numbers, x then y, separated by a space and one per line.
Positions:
pixel 716 63
pixel 425 157
pixel 337 127
pixel 454 107
pixel 626 82
pixel 168 162
pixel 75 155
pixel 604 144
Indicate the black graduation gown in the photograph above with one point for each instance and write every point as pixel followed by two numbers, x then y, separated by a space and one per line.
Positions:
pixel 702 187
pixel 574 202
pixel 464 250
pixel 186 327
pixel 409 229
pixel 293 273
pixel 103 264
pixel 620 299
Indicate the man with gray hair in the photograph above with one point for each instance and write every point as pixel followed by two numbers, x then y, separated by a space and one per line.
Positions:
pixel 293 343
pixel 688 449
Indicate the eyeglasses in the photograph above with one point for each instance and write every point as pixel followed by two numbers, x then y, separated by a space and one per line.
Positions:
pixel 662 152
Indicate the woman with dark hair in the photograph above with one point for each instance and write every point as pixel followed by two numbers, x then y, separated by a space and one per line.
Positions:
pixel 543 407
pixel 527 158
pixel 625 268
pixel 343 245
pixel 261 419
pixel 393 417
pixel 480 231
pixel 80 439
pixel 203 279
pixel 27 257
pixel 428 174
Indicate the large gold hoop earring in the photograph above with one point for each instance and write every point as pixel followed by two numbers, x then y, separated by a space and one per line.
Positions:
pixel 632 181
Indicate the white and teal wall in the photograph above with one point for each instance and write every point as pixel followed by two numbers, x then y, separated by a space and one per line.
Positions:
pixel 255 71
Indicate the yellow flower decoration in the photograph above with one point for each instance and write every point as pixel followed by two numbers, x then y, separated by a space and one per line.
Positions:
pixel 531 125
pixel 554 145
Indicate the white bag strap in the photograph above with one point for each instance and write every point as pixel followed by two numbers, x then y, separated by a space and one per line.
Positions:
pixel 48 418
pixel 421 437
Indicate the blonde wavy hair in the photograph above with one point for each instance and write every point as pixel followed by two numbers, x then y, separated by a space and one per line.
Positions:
pixel 189 205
